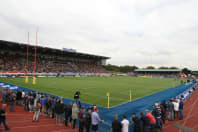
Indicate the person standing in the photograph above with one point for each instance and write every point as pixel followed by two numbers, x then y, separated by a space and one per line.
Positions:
pixel 125 124
pixel 36 111
pixel 3 96
pixel 181 107
pixel 157 114
pixel 88 121
pixel 53 100
pixel 136 122
pixel 151 119
pixel 3 116
pixel 12 98
pixel 82 123
pixel 176 109
pixel 59 109
pixel 145 123
pixel 68 113
pixel 116 124
pixel 8 93
pixel 26 102
pixel 43 101
pixel 48 106
pixel 81 119
pixel 19 98
pixel 31 103
pixel 23 94
pixel 74 114
pixel 170 110
pixel 95 119
pixel 164 110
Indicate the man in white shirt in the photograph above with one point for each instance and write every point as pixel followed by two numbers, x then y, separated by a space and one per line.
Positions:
pixel 23 94
pixel 125 124
pixel 176 109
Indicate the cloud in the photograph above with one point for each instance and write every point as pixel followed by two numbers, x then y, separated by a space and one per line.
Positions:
pixel 138 32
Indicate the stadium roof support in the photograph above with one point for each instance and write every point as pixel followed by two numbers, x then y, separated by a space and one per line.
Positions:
pixel 9 44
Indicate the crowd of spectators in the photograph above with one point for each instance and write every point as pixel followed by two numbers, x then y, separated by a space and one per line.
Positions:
pixel 47 64
pixel 42 104
pixel 153 121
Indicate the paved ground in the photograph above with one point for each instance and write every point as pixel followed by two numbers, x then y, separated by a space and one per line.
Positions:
pixel 20 121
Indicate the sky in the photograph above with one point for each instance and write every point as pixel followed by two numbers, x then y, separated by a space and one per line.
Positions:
pixel 131 32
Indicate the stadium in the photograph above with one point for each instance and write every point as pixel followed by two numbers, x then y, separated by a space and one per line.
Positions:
pixel 98 66
pixel 68 71
pixel 62 73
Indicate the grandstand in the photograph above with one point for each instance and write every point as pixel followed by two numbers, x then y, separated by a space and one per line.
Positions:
pixel 160 73
pixel 49 60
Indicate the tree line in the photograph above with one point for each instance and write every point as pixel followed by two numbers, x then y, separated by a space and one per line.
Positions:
pixel 127 69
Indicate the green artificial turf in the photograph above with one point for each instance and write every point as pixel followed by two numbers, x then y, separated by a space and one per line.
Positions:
pixel 93 89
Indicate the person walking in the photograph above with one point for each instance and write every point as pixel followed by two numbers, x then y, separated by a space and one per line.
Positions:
pixel 116 125
pixel 3 116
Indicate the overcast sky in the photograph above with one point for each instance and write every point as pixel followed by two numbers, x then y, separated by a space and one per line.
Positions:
pixel 131 32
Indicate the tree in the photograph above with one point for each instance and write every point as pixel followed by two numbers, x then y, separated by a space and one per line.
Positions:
pixel 163 67
pixel 123 69
pixel 150 67
pixel 126 69
pixel 112 68
pixel 186 71
pixel 195 73
pixel 173 67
